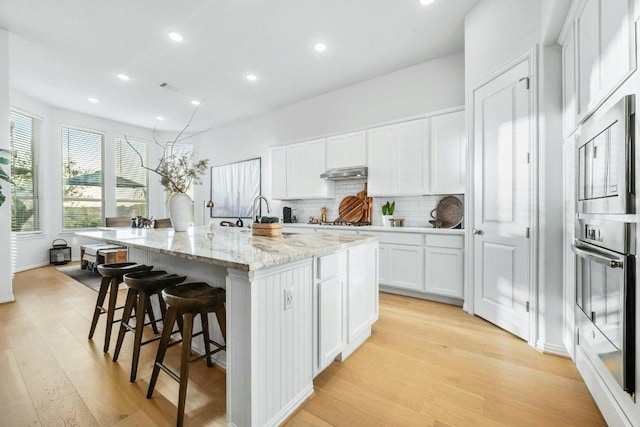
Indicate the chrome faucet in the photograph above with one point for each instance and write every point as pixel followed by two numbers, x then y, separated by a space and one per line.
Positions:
pixel 257 199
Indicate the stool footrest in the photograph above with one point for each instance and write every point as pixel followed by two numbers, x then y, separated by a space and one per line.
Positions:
pixel 172 374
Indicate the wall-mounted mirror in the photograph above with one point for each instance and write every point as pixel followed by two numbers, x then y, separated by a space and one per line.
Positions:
pixel 234 186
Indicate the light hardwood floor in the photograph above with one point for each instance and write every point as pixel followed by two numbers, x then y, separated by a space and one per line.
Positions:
pixel 426 364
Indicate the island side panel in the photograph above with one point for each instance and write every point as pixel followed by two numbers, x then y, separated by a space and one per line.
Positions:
pixel 270 344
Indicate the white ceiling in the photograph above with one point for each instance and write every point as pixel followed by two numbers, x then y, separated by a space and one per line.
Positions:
pixel 65 51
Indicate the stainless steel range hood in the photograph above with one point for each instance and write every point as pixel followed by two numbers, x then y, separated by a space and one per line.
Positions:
pixel 339 174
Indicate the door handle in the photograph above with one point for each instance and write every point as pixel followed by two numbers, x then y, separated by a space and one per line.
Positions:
pixel 476 231
pixel 596 257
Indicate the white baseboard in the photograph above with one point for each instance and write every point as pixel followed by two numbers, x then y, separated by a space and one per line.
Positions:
pixel 291 406
pixel 555 349
pixel 7 298
pixel 421 295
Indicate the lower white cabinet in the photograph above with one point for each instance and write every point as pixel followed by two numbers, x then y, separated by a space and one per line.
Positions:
pixel 362 293
pixel 331 322
pixel 345 302
pixel 443 271
pixel 405 266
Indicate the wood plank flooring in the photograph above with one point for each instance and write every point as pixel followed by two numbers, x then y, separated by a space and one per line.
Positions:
pixel 426 364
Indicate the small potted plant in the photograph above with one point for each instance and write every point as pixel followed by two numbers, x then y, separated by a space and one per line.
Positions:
pixel 387 213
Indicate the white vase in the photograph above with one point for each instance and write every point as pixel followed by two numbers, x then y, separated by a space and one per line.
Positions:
pixel 180 211
pixel 386 220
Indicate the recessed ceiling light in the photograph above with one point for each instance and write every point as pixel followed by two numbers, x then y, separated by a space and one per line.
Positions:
pixel 159 118
pixel 320 47
pixel 176 37
pixel 251 77
pixel 425 2
pixel 93 100
pixel 195 102
pixel 123 77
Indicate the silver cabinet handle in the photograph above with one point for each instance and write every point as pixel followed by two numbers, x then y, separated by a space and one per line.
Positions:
pixel 476 231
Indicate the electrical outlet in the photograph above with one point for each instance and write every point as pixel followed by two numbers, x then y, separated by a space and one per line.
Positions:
pixel 288 299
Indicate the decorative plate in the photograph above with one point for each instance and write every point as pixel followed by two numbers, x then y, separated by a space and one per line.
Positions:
pixel 449 211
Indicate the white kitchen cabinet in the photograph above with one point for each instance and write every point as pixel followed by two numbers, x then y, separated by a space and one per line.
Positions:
pixel 397 158
pixel 588 68
pixel 362 294
pixel 304 163
pixel 331 322
pixel 599 40
pixel 444 265
pixel 448 148
pixel 401 260
pixel 347 150
pixel 278 173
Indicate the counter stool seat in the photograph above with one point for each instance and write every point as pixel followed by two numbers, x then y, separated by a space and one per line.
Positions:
pixel 185 302
pixel 112 276
pixel 142 285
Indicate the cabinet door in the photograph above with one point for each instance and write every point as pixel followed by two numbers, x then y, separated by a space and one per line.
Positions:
pixel 315 164
pixel 406 264
pixel 362 290
pixel 412 150
pixel 279 172
pixel 615 42
pixel 382 160
pixel 296 173
pixel 588 40
pixel 347 150
pixel 448 148
pixel 305 163
pixel 383 260
pixel 443 270
pixel 330 320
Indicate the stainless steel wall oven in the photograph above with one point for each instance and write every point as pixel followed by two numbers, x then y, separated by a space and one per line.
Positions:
pixel 605 245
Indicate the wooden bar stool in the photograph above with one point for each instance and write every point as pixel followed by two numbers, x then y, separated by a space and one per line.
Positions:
pixel 185 302
pixel 112 275
pixel 142 285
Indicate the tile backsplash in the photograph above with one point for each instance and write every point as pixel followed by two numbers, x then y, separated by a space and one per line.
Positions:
pixel 414 209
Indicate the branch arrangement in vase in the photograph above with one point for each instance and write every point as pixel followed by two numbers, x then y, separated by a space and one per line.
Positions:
pixel 177 171
pixel 388 208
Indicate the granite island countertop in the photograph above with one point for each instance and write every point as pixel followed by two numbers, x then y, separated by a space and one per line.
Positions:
pixel 230 247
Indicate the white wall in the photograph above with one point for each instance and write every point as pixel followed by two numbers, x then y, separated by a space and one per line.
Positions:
pixel 427 87
pixel 6 287
pixel 497 31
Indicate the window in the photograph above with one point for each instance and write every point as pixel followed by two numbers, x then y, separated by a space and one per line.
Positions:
pixel 24 172
pixel 131 178
pixel 82 204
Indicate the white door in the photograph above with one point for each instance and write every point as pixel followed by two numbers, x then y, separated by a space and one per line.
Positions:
pixel 502 143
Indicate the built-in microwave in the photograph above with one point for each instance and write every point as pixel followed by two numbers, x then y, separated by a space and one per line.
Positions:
pixel 605 161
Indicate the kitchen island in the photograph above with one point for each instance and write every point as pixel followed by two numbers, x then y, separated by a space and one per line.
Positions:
pixel 294 304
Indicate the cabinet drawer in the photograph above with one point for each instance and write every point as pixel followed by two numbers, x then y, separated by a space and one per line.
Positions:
pixel 398 238
pixel 331 265
pixel 438 240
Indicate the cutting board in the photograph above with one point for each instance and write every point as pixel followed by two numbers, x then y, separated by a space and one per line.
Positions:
pixel 351 209
pixel 367 203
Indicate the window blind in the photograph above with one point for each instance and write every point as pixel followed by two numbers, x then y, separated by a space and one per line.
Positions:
pixel 131 178
pixel 25 214
pixel 82 204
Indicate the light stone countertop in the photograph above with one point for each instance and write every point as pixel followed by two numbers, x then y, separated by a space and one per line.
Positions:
pixel 230 247
pixel 421 230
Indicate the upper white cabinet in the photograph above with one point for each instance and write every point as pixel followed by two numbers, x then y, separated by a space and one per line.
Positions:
pixel 448 148
pixel 278 172
pixel 598 53
pixel 347 150
pixel 296 170
pixel 397 158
